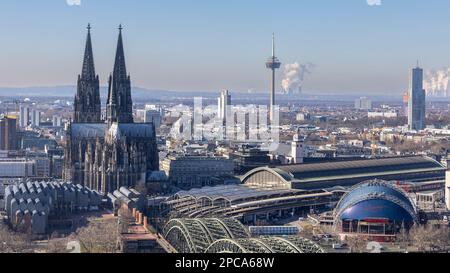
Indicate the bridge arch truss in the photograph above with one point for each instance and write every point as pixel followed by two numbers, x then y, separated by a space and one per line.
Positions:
pixel 265 245
pixel 197 234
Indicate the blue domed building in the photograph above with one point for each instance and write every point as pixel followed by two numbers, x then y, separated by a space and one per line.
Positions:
pixel 375 208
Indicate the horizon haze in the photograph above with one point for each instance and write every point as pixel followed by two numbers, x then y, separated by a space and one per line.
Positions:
pixel 353 47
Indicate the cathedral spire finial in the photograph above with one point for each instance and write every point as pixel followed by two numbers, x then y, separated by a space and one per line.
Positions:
pixel 89 27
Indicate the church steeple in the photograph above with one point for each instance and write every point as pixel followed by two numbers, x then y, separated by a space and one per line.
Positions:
pixel 88 62
pixel 87 101
pixel 120 69
pixel 119 104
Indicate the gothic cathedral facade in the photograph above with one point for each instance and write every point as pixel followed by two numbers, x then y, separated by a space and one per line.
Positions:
pixel 107 154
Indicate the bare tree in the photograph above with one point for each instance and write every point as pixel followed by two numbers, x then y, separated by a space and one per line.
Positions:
pixel 419 237
pixel 430 238
pixel 12 242
pixel 56 244
pixel 403 237
pixel 307 231
pixel 441 238
pixel 327 229
pixel 99 236
pixel 357 244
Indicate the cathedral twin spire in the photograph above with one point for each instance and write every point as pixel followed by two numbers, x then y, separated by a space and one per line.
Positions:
pixel 120 70
pixel 88 71
pixel 87 101
pixel 119 106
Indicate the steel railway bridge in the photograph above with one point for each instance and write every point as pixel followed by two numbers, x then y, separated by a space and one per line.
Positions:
pixel 287 245
pixel 226 235
pixel 196 235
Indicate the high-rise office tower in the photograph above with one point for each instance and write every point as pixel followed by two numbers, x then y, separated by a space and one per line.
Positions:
pixel 363 103
pixel 223 102
pixel 24 116
pixel 273 64
pixel 8 133
pixel 153 116
pixel 57 121
pixel 416 107
pixel 35 118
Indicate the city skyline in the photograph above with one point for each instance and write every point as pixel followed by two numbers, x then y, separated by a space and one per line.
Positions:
pixel 350 43
pixel 172 128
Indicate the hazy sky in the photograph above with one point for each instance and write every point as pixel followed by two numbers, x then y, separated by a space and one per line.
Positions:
pixel 207 45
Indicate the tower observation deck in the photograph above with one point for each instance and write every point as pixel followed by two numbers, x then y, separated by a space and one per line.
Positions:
pixel 273 64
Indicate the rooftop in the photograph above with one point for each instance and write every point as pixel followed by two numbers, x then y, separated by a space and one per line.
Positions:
pixel 232 193
pixel 304 171
pixel 345 173
pixel 376 199
pixel 92 130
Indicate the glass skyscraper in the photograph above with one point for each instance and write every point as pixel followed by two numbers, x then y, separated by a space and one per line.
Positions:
pixel 416 109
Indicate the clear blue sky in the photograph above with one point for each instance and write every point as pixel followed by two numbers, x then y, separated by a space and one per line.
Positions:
pixel 208 45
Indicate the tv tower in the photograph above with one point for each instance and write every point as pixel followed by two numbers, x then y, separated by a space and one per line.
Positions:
pixel 273 64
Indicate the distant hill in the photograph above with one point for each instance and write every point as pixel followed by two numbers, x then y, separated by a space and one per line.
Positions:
pixel 59 91
pixel 139 93
pixel 69 91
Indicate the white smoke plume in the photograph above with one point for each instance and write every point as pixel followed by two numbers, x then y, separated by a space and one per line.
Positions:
pixel 437 82
pixel 73 2
pixel 374 2
pixel 294 76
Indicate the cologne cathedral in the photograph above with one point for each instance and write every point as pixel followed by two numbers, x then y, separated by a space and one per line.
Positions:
pixel 104 155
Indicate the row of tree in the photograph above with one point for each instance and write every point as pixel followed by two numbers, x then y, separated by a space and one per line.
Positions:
pixel 420 238
pixel 96 235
